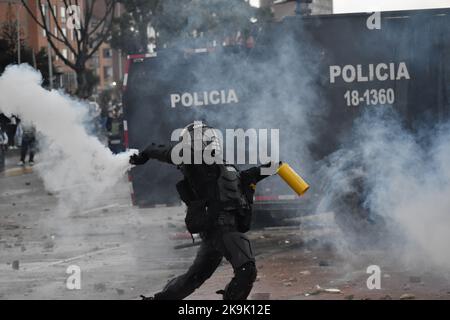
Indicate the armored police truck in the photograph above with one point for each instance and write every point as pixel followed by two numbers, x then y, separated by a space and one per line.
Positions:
pixel 302 85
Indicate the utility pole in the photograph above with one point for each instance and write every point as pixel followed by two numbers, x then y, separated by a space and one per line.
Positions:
pixel 49 48
pixel 120 51
pixel 18 33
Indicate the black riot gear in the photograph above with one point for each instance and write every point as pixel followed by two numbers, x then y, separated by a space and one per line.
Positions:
pixel 219 201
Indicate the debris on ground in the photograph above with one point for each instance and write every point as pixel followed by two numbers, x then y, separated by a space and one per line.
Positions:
pixel 415 279
pixel 323 263
pixel 15 265
pixel 180 236
pixel 48 245
pixel 349 297
pixel 99 287
pixel 407 296
pixel 10 226
pixel 305 273
pixel 261 296
pixel 332 290
pixel 120 291
pixel 319 289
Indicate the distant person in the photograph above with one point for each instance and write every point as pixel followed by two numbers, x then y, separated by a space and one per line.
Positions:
pixel 26 135
pixel 11 131
pixel 3 147
pixel 114 127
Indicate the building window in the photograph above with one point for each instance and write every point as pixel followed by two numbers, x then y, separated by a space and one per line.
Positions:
pixel 44 12
pixel 62 14
pixel 107 53
pixel 64 53
pixel 107 72
pixel 95 61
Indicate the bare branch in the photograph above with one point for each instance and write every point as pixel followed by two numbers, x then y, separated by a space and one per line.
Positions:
pixel 67 4
pixel 50 35
pixel 109 12
pixel 35 19
pixel 102 40
pixel 89 10
pixel 65 39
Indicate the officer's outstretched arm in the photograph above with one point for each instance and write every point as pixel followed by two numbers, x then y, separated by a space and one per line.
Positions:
pixel 255 174
pixel 158 152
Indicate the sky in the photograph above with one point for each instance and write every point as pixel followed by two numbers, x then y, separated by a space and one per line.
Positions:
pixel 342 6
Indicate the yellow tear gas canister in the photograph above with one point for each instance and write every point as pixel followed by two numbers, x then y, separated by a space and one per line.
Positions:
pixel 292 179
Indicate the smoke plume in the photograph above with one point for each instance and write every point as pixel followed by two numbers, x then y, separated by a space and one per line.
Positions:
pixel 71 162
pixel 401 177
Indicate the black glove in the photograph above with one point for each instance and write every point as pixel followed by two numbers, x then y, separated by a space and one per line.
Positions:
pixel 138 159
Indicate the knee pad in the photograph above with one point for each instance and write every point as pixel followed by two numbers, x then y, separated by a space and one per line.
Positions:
pixel 247 272
pixel 239 288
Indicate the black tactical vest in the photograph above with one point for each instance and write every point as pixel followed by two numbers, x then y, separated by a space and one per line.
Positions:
pixel 219 185
pixel 229 188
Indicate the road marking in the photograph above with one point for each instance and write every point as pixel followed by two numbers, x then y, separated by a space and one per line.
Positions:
pixel 16 192
pixel 99 208
pixel 17 171
pixel 94 252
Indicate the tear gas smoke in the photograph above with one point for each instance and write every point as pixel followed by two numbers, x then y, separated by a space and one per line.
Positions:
pixel 402 178
pixel 71 161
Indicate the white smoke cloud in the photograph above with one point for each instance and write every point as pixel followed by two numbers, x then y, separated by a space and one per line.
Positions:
pixel 405 180
pixel 71 161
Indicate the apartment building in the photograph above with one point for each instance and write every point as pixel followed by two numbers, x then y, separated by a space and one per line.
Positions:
pixel 283 8
pixel 35 37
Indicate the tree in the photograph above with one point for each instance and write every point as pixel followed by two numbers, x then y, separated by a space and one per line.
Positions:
pixel 9 46
pixel 130 29
pixel 178 22
pixel 95 23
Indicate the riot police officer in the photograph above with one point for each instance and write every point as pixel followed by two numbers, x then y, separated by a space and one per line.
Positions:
pixel 219 202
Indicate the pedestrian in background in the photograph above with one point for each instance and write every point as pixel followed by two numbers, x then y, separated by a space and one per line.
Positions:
pixel 114 128
pixel 26 137
pixel 11 131
pixel 3 147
